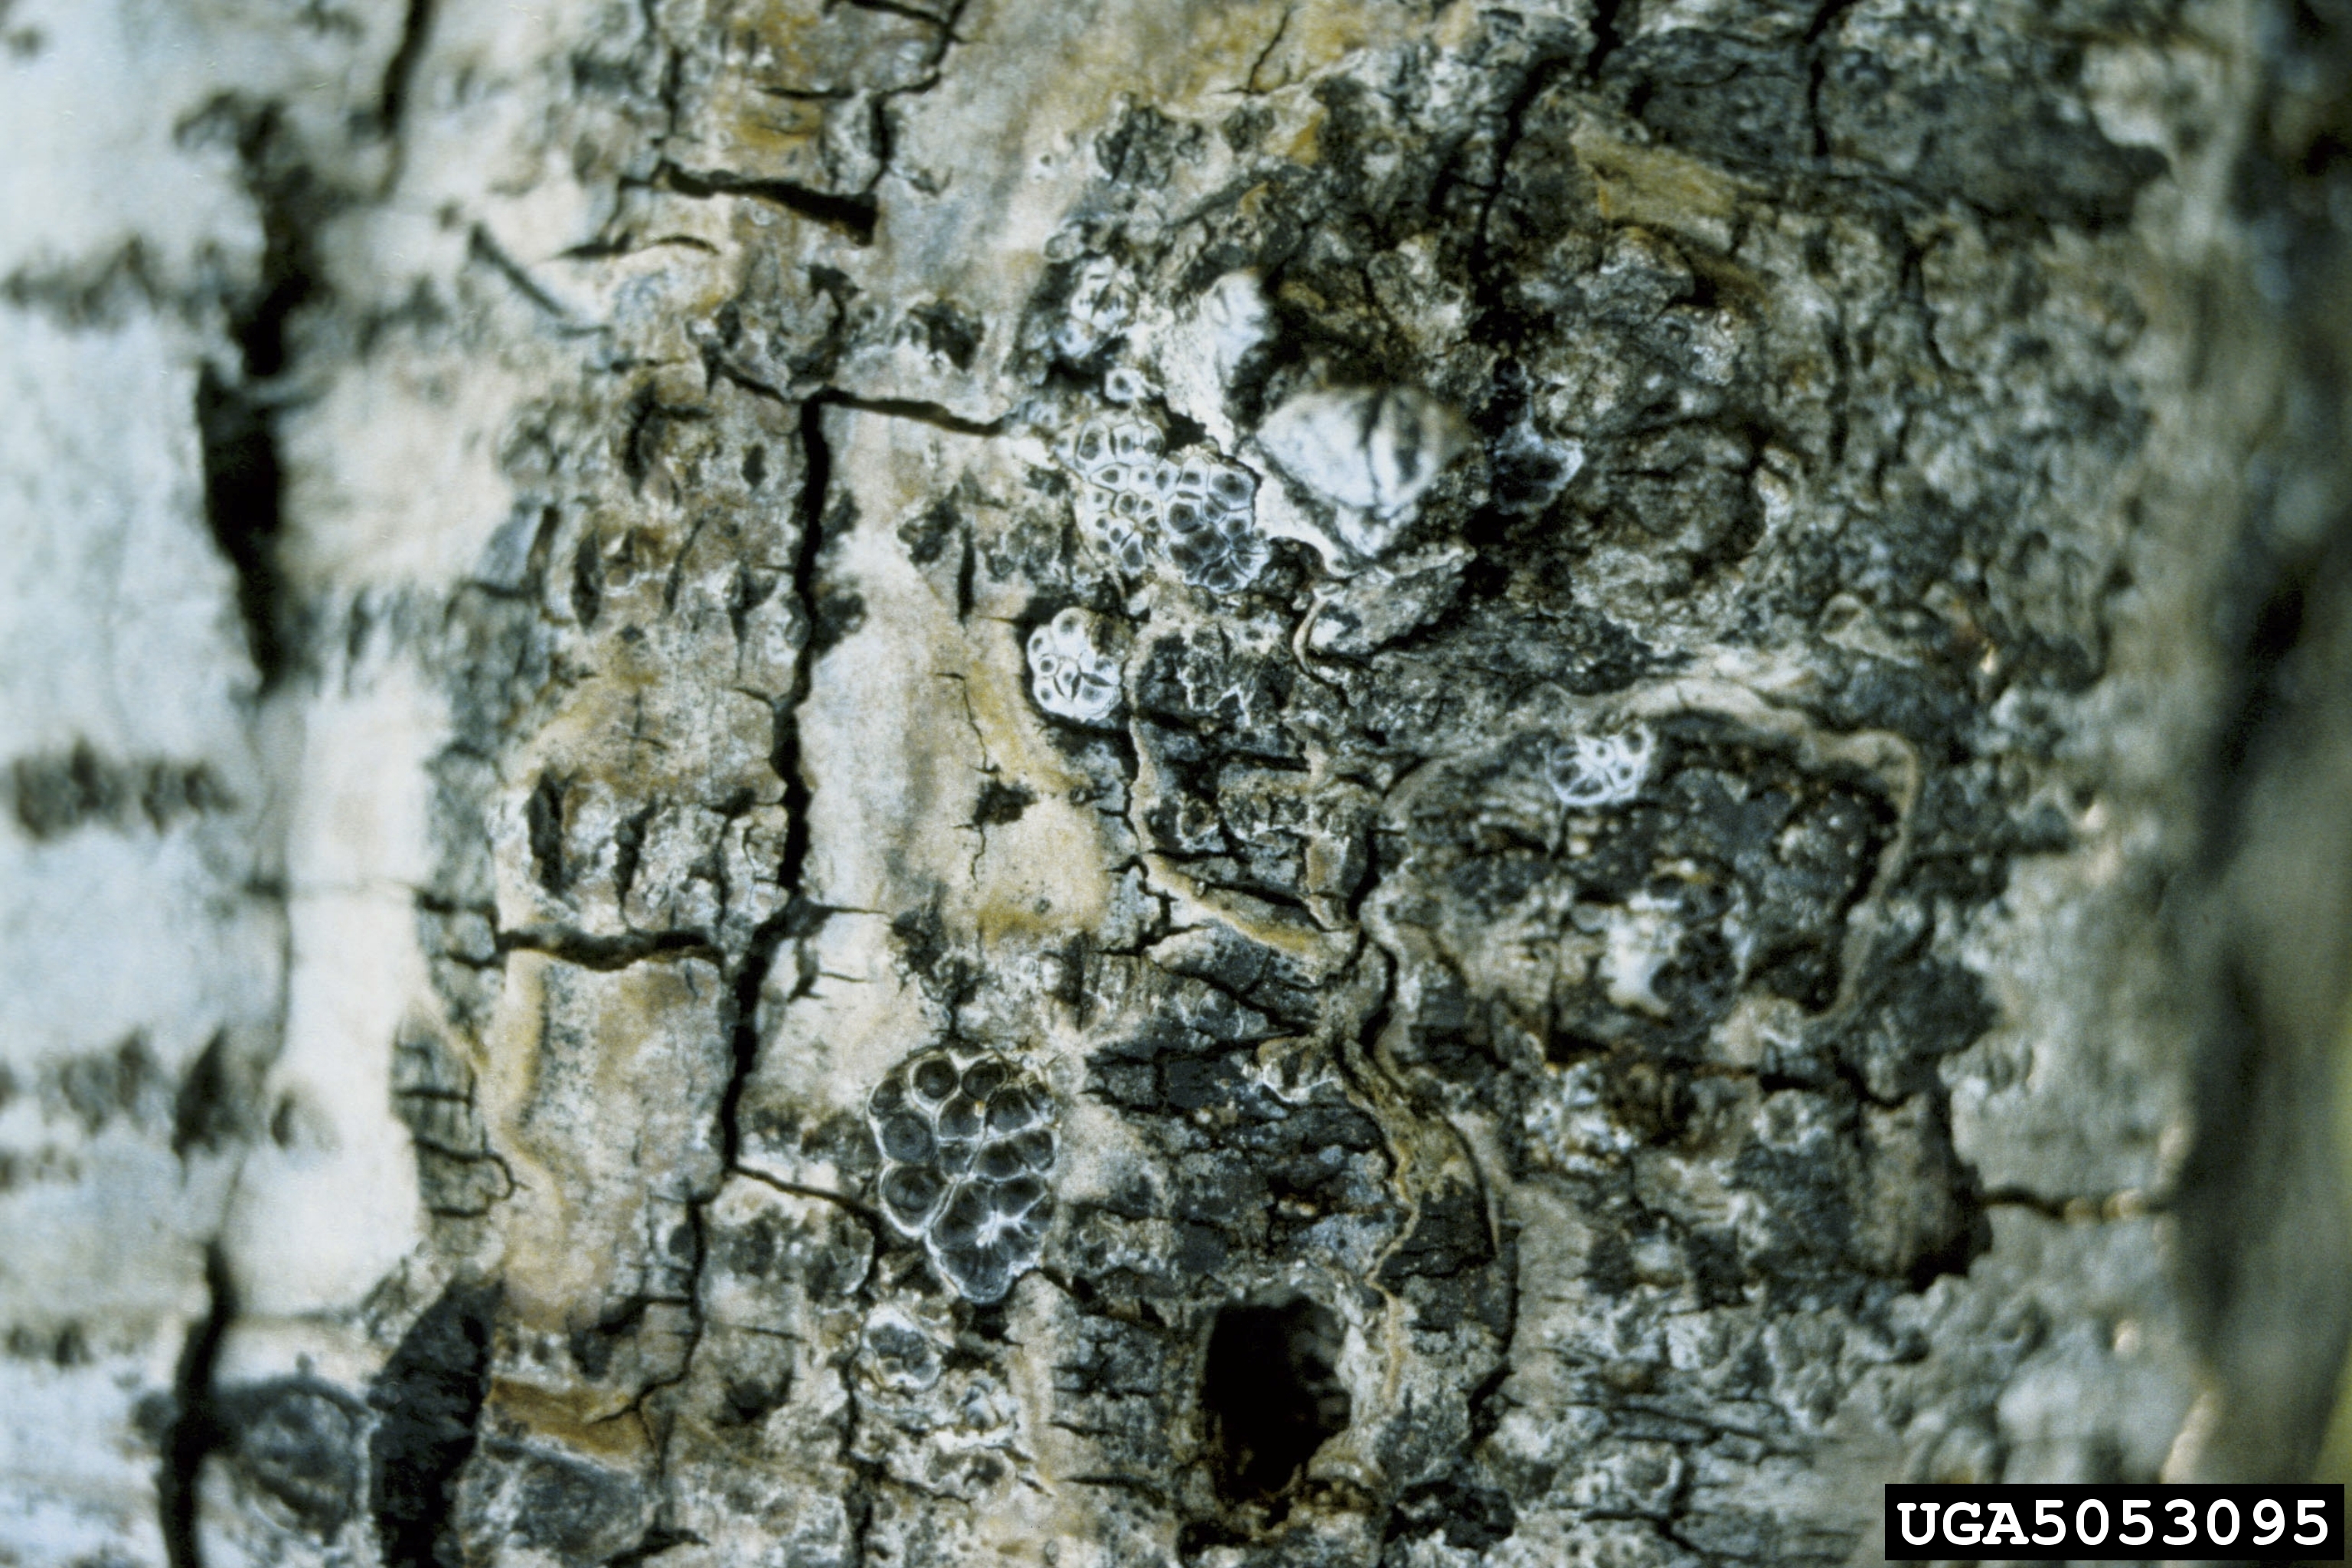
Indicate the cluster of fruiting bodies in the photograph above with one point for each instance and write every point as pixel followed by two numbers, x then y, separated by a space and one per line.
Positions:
pixel 1200 512
pixel 1071 675
pixel 966 1140
pixel 1590 771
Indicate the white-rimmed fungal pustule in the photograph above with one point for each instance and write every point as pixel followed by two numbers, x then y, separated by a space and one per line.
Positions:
pixel 1072 674
pixel 1101 306
pixel 1370 452
pixel 967 1141
pixel 1124 384
pixel 1588 772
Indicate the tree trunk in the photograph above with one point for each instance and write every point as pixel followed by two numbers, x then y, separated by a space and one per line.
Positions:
pixel 1122 781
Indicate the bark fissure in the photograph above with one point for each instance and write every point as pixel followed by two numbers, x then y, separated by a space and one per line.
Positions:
pixel 236 408
pixel 855 216
pixel 486 250
pixel 400 71
pixel 800 915
pixel 194 1431
pixel 1817 69
pixel 588 950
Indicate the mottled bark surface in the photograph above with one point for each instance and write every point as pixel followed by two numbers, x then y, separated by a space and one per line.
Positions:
pixel 1145 783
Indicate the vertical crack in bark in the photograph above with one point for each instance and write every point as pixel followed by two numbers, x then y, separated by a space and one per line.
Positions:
pixel 1494 318
pixel 1249 83
pixel 1817 69
pixel 400 71
pixel 236 419
pixel 799 916
pixel 866 1475
pixel 884 131
pixel 1608 35
pixel 237 440
pixel 194 1431
pixel 669 79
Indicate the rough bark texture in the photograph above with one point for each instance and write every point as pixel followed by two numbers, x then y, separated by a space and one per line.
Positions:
pixel 1130 782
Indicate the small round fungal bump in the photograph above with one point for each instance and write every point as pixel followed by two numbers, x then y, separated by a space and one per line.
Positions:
pixel 1231 488
pixel 967 1209
pixel 906 1136
pixel 1019 1194
pixel 1224 556
pixel 1010 1110
pixel 934 1078
pixel 1134 441
pixel 898 1352
pixel 1090 447
pixel 909 1193
pixel 1034 1149
pixel 1126 546
pixel 960 1119
pixel 982 1274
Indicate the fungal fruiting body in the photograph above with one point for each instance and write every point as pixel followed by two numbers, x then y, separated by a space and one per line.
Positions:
pixel 1070 674
pixel 1232 320
pixel 1369 451
pixel 967 1142
pixel 1590 771
pixel 1115 460
pixel 1098 308
pixel 1531 468
pixel 1200 512
pixel 1195 351
pixel 1208 521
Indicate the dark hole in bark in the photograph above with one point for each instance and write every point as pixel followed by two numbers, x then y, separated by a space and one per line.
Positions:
pixel 1271 1396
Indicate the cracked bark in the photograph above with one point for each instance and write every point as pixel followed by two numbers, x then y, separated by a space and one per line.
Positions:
pixel 1774 922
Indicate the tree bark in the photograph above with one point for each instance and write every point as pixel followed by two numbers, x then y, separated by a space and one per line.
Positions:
pixel 1115 781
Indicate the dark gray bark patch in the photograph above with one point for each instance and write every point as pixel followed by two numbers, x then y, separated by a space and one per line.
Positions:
pixel 429 1399
pixel 299 1441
